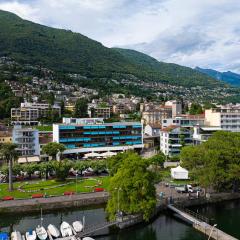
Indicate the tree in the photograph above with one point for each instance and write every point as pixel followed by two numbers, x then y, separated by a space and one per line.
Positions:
pixel 53 148
pixel 30 168
pixel 9 153
pixel 62 168
pixel 17 168
pixel 216 162
pixel 80 166
pixel 132 188
pixel 114 162
pixel 195 109
pixel 158 159
pixel 81 108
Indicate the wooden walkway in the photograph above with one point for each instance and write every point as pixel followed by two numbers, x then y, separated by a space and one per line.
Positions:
pixel 202 225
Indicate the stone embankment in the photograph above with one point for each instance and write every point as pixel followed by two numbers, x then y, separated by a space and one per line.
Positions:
pixel 53 203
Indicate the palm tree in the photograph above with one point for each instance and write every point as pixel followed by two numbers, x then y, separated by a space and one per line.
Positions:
pixel 9 153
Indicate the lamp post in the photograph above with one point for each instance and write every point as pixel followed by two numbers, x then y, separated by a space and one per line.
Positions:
pixel 211 231
pixel 76 181
pixel 118 202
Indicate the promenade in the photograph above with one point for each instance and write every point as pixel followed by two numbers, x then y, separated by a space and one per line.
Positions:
pixel 76 200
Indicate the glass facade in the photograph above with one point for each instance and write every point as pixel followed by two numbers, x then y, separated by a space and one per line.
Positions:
pixel 104 135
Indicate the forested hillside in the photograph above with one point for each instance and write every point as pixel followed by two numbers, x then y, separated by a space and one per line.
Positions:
pixel 66 51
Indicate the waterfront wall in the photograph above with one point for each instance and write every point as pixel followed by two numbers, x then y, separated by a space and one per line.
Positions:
pixel 53 203
pixel 88 199
pixel 214 198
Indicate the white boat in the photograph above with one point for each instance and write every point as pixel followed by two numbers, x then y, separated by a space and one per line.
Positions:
pixel 87 238
pixel 31 235
pixel 53 230
pixel 16 236
pixel 66 229
pixel 41 233
pixel 77 226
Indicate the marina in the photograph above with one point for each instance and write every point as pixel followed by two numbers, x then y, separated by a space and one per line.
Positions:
pixel 164 226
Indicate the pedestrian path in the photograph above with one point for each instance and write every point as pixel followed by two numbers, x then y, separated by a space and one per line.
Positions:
pixel 201 225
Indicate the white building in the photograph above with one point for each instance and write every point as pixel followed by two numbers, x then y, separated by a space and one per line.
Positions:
pixel 173 138
pixel 203 133
pixel 184 120
pixel 152 129
pixel 27 140
pixel 226 117
pixel 29 113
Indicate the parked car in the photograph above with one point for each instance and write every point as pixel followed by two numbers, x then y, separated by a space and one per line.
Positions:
pixel 190 188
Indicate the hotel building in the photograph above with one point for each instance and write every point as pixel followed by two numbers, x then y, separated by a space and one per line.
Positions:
pixel 88 135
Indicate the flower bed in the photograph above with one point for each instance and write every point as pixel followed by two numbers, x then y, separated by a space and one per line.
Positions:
pixel 8 198
pixel 20 188
pixel 37 195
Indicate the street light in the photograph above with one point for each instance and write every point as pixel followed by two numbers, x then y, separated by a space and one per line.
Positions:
pixel 212 231
pixel 119 189
pixel 76 181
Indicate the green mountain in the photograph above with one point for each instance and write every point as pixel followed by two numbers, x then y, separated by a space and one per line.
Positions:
pixel 228 77
pixel 66 51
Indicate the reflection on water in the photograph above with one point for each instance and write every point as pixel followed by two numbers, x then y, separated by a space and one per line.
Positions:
pixel 226 215
pixel 163 227
pixel 24 222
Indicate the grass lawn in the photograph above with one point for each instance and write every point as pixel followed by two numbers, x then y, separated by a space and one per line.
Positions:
pixel 83 185
pixel 44 128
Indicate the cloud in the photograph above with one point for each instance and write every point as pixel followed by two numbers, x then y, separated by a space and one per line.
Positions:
pixel 193 33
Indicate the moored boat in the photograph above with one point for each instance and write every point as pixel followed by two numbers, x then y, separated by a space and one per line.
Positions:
pixel 53 230
pixel 66 229
pixel 16 236
pixel 4 236
pixel 77 226
pixel 41 233
pixel 31 235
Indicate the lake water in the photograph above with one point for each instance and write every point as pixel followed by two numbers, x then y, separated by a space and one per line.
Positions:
pixel 165 226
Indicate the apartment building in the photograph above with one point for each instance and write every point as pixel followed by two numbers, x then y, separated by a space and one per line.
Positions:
pixel 226 117
pixel 156 116
pixel 29 113
pixel 27 140
pixel 203 133
pixel 152 129
pixel 184 120
pixel 82 136
pixel 173 138
pixel 100 112
pixel 176 107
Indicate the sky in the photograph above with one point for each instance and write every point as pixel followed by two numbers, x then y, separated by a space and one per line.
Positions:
pixel 203 33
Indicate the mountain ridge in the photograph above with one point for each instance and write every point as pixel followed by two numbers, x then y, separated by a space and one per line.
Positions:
pixel 67 51
pixel 229 77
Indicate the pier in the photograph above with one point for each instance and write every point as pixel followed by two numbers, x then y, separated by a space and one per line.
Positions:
pixel 90 230
pixel 200 223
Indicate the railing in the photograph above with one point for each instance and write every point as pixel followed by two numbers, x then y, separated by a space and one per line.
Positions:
pixel 192 213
